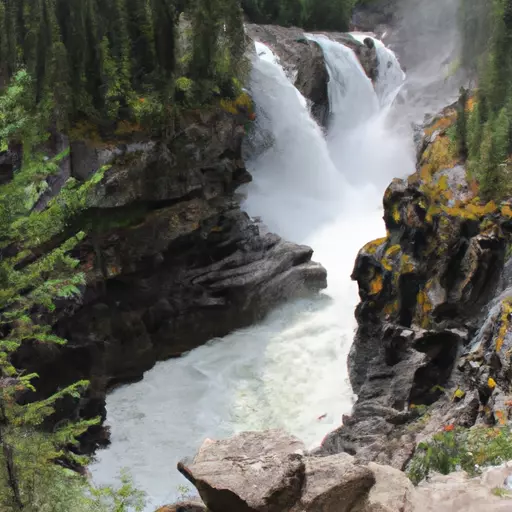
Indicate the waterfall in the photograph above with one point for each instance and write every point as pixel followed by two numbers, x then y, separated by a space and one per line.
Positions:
pixel 295 177
pixel 391 77
pixel 289 371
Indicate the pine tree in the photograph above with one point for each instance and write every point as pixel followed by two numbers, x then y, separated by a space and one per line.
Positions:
pixel 32 283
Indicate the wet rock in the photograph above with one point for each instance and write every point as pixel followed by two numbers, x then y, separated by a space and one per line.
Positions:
pixel 251 472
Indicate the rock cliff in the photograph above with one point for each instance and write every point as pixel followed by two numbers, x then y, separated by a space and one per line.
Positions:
pixel 434 312
pixel 170 258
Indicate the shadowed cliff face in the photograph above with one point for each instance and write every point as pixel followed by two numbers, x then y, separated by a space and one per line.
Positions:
pixel 171 261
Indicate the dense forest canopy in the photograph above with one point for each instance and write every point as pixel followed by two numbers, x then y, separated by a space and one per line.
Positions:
pixel 486 136
pixel 109 59
pixel 310 14
pixel 63 62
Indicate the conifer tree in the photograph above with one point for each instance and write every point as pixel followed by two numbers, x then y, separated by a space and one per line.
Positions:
pixel 32 283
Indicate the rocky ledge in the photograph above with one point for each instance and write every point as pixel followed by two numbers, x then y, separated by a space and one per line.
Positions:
pixel 170 258
pixel 272 472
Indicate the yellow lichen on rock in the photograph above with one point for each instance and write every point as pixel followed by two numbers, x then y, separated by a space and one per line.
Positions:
pixel 391 308
pixel 396 214
pixel 371 247
pixel 241 101
pixel 443 123
pixel 406 265
pixel 506 211
pixel 424 308
pixel 376 284
pixel 506 311
pixel 439 155
pixel 387 261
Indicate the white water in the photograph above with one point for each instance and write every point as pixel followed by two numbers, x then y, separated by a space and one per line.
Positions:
pixel 290 370
pixel 391 76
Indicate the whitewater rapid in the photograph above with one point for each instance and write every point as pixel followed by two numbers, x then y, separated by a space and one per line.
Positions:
pixel 289 371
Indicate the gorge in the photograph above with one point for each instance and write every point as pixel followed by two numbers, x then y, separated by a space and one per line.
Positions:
pixel 255 255
pixel 323 191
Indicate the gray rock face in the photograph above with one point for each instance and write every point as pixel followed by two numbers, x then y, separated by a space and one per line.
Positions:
pixel 268 471
pixel 171 260
pixel 434 317
pixel 392 491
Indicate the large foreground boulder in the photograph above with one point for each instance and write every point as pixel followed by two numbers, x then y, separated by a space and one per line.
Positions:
pixel 251 472
pixel 333 484
pixel 270 472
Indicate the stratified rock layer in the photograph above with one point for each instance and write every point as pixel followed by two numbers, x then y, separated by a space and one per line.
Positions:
pixel 170 258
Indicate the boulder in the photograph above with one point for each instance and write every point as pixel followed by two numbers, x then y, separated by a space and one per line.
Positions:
pixel 333 484
pixel 459 493
pixel 251 472
pixel 392 492
pixel 268 471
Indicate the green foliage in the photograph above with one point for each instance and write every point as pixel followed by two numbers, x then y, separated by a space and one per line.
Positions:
pixel 475 27
pixel 501 492
pixel 97 59
pixel 487 128
pixel 216 54
pixel 310 14
pixel 460 448
pixel 37 271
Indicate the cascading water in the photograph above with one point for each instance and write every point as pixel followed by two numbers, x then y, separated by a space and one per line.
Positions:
pixel 391 76
pixel 290 370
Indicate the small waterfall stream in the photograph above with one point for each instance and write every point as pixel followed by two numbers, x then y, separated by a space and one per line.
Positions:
pixel 289 371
